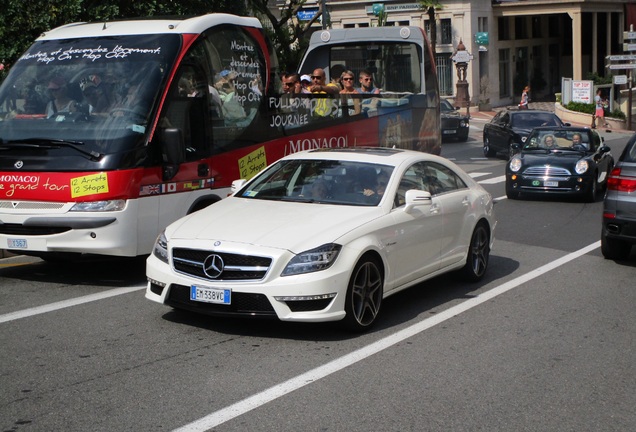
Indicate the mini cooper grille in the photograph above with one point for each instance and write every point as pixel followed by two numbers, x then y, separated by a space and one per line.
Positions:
pixel 235 267
pixel 242 303
pixel 547 171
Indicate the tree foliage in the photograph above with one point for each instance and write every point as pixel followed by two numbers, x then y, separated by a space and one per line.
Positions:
pixel 430 6
pixel 23 21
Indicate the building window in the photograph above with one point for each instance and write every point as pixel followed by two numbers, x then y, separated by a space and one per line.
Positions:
pixel 444 74
pixel 553 26
pixel 504 73
pixel 536 27
pixel 482 24
pixel 446 31
pixel 521 28
pixel 503 29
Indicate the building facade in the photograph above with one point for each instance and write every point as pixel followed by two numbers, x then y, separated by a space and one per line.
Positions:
pixel 513 43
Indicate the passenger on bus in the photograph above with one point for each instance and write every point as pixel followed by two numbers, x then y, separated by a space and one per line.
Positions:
pixel 92 90
pixel 366 83
pixel 319 85
pixel 225 85
pixel 291 83
pixel 61 101
pixel 352 105
pixel 305 82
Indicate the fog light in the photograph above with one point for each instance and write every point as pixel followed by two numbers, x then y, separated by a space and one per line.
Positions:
pixel 514 177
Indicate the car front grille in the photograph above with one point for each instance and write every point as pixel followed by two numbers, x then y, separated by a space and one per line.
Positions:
pixel 256 305
pixel 235 267
pixel 546 171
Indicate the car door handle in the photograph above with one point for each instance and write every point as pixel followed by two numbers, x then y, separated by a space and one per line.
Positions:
pixel 434 209
pixel 466 201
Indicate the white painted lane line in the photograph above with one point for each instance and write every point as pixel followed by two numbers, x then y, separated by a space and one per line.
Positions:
pixel 228 413
pixel 478 174
pixel 67 303
pixel 493 180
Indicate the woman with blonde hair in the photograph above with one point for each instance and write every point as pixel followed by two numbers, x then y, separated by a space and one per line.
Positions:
pixel 525 98
pixel 353 105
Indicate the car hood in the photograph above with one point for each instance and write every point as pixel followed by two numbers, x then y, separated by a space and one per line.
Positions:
pixel 566 158
pixel 285 225
pixel 524 132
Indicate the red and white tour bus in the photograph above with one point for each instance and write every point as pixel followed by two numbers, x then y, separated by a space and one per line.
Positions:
pixel 110 131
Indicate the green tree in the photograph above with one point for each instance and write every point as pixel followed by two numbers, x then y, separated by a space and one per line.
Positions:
pixel 430 6
pixel 23 21
pixel 288 34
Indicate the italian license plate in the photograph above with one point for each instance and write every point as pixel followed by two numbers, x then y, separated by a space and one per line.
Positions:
pixel 210 295
pixel 17 243
pixel 448 132
pixel 551 184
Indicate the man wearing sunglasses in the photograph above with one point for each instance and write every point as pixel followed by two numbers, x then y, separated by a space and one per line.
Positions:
pixel 366 83
pixel 319 85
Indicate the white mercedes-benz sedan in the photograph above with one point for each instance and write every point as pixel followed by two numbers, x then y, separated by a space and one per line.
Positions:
pixel 325 235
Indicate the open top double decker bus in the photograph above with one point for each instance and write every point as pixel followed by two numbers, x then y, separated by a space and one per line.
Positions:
pixel 110 131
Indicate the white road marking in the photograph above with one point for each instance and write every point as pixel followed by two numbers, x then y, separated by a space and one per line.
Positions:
pixel 228 413
pixel 493 180
pixel 478 174
pixel 67 303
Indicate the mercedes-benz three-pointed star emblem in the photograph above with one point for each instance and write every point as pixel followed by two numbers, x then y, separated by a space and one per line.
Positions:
pixel 213 266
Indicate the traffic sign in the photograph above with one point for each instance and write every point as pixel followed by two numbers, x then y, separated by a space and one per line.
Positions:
pixel 629 35
pixel 621 57
pixel 623 66
pixel 629 47
pixel 620 79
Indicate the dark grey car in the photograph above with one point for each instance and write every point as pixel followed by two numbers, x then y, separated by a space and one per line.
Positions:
pixel 619 208
pixel 509 127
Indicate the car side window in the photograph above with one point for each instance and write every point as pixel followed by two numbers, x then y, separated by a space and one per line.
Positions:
pixel 439 179
pixel 412 179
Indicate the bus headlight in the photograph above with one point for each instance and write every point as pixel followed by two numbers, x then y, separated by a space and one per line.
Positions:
pixel 581 166
pixel 99 206
pixel 160 250
pixel 313 260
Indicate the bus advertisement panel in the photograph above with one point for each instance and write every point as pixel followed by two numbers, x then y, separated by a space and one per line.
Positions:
pixel 111 131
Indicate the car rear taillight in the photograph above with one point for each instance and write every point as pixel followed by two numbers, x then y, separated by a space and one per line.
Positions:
pixel 621 184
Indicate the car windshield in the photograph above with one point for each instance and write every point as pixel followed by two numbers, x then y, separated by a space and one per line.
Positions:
pixel 529 120
pixel 99 92
pixel 557 139
pixel 321 181
pixel 446 106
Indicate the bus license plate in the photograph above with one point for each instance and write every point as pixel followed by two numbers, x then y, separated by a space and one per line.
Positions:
pixel 17 243
pixel 551 184
pixel 210 295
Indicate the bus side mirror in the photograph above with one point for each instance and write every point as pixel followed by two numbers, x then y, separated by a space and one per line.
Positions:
pixel 173 151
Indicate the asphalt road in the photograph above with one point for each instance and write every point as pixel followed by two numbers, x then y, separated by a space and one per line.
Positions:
pixel 544 343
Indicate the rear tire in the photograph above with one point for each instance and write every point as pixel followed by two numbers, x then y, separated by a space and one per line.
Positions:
pixel 478 254
pixel 614 249
pixel 364 295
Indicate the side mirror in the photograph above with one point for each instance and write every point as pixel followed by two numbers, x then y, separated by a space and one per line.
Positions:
pixel 604 149
pixel 237 185
pixel 415 198
pixel 173 151
pixel 514 148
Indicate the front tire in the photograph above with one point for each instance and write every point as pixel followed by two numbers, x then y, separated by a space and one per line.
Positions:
pixel 364 295
pixel 488 151
pixel 478 254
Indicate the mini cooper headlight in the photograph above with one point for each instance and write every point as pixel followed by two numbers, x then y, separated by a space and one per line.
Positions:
pixel 160 250
pixel 515 164
pixel 581 166
pixel 313 260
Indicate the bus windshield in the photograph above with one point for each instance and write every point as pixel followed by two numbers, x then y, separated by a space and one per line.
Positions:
pixel 99 92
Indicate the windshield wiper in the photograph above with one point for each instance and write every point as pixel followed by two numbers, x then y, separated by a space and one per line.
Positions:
pixel 52 143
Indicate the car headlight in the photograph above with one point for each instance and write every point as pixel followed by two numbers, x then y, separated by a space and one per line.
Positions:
pixel 160 250
pixel 581 166
pixel 99 206
pixel 515 164
pixel 463 123
pixel 313 260
pixel 523 139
